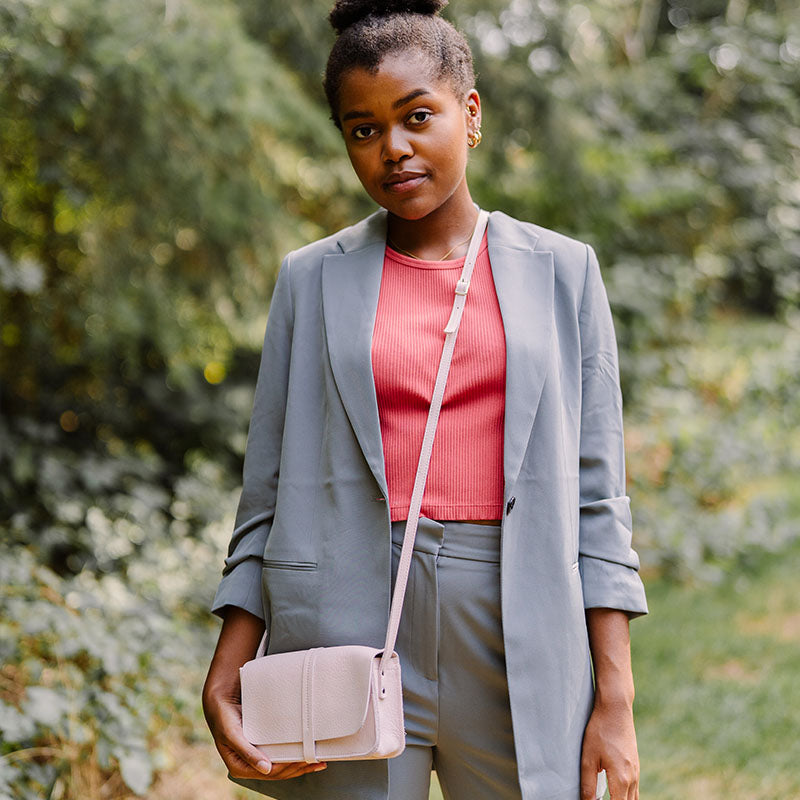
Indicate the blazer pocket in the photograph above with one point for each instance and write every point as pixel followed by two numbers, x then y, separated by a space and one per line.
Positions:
pixel 299 566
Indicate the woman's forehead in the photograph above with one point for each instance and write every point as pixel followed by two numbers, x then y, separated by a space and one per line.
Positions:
pixel 398 79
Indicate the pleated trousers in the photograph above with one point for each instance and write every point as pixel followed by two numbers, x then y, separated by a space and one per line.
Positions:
pixel 450 643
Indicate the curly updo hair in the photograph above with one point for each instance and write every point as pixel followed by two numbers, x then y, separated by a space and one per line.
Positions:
pixel 368 30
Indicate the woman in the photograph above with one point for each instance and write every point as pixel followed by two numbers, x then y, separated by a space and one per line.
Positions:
pixel 526 489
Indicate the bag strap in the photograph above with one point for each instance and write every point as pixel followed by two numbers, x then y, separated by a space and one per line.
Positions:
pixel 451 331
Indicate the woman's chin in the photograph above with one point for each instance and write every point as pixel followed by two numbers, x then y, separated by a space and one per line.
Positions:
pixel 408 207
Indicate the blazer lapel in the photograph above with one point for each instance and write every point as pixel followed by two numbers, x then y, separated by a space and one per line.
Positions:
pixel 524 283
pixel 351 282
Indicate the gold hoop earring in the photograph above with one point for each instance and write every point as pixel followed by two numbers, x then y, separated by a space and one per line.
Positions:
pixel 474 139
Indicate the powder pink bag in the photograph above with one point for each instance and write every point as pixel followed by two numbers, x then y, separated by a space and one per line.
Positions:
pixel 345 703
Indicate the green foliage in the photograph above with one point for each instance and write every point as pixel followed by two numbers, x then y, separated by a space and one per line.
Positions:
pixel 92 674
pixel 714 451
pixel 95 664
pixel 717 688
pixel 671 144
pixel 153 173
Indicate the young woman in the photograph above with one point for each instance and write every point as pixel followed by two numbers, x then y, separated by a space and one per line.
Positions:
pixel 514 637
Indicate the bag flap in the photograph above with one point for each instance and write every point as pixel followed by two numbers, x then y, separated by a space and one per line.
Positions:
pixel 272 694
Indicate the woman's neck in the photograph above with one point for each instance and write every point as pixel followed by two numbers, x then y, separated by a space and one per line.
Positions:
pixel 446 230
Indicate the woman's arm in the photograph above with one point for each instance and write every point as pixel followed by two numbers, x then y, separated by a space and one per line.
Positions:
pixel 237 644
pixel 241 578
pixel 609 741
pixel 612 590
pixel 608 564
pixel 239 599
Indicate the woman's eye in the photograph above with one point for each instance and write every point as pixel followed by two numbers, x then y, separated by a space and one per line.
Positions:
pixel 419 117
pixel 362 133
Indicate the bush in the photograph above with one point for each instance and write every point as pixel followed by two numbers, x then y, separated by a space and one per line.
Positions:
pixel 713 448
pixel 101 659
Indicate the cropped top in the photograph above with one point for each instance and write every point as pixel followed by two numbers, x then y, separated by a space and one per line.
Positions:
pixel 465 479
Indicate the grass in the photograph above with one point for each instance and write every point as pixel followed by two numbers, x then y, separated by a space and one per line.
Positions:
pixel 718 695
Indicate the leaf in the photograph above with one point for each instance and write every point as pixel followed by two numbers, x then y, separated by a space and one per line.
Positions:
pixel 136 769
pixel 45 706
pixel 15 726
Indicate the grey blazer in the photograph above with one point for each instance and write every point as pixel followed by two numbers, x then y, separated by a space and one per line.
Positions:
pixel 310 552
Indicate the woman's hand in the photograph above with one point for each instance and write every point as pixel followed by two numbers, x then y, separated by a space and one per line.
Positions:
pixel 238 641
pixel 224 716
pixel 609 741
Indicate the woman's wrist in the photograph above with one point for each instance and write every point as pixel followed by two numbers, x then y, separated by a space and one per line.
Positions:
pixel 613 699
pixel 237 644
pixel 609 641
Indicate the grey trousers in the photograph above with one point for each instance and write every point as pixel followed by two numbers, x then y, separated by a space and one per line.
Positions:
pixel 450 643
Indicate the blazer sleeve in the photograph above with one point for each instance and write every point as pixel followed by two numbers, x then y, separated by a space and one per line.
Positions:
pixel 608 565
pixel 241 577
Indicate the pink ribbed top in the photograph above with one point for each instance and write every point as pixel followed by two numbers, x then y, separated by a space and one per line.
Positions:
pixel 465 479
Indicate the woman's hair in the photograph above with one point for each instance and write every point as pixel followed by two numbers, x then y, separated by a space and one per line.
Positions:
pixel 368 30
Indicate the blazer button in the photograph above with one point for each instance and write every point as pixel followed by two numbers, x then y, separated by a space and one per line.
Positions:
pixel 510 505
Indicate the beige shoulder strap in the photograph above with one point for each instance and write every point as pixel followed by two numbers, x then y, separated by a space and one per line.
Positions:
pixel 451 331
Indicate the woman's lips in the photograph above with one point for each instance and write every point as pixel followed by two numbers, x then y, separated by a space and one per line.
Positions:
pixel 406 185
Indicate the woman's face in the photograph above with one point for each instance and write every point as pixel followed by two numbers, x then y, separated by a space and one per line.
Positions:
pixel 406 133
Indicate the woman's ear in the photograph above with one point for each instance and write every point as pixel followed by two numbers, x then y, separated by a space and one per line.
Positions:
pixel 473 110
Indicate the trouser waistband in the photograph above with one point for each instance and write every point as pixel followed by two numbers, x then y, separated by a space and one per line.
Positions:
pixel 453 539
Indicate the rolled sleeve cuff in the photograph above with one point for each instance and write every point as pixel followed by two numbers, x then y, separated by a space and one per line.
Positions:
pixel 241 587
pixel 248 541
pixel 605 531
pixel 608 584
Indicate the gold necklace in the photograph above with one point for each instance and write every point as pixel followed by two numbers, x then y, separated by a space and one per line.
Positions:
pixel 443 258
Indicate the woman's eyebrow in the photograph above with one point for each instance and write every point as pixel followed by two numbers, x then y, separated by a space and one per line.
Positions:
pixel 356 114
pixel 409 97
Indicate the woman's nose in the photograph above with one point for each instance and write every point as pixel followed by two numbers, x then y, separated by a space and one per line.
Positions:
pixel 396 145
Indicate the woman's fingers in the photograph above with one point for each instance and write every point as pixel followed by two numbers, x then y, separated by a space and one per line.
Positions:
pixel 590 766
pixel 242 762
pixel 588 784
pixel 609 742
pixel 243 759
pixel 623 785
pixel 259 767
pixel 237 753
pixel 254 764
pixel 239 768
pixel 294 769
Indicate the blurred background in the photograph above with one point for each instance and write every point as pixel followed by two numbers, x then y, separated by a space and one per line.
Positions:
pixel 157 159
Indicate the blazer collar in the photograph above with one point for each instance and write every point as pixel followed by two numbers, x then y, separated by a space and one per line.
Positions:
pixel 503 230
pixel 524 282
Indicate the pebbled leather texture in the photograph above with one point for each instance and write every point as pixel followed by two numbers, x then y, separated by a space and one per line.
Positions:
pixel 352 712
